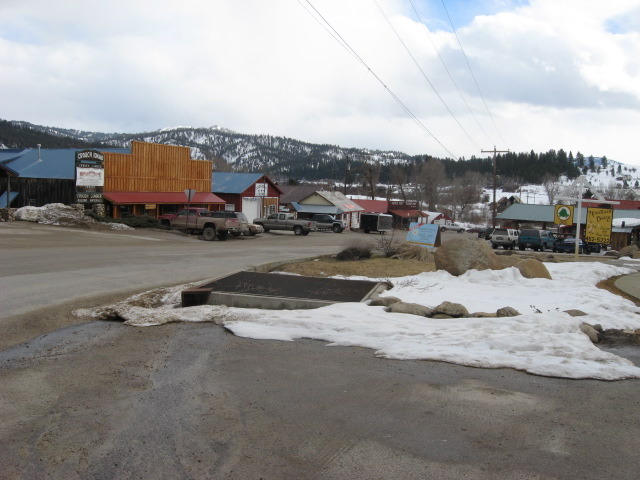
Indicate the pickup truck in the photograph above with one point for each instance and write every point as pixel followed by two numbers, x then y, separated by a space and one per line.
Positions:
pixel 327 222
pixel 200 220
pixel 286 221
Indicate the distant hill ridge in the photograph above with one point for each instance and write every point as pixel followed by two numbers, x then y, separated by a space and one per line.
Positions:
pixel 285 158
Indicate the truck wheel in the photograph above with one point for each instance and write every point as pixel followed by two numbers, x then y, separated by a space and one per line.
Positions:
pixel 209 233
pixel 306 232
pixel 494 245
pixel 366 230
pixel 223 235
pixel 521 247
pixel 336 229
pixel 297 230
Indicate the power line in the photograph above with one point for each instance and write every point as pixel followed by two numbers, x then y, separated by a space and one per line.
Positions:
pixel 471 71
pixel 386 17
pixel 449 73
pixel 336 36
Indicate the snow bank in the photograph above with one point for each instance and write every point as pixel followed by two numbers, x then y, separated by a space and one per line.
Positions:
pixel 543 340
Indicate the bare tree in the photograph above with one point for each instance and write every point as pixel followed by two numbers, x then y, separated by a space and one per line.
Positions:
pixel 466 191
pixel 371 176
pixel 432 177
pixel 399 177
pixel 551 187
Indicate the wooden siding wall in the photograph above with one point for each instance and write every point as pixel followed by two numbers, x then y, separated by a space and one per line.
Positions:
pixel 40 191
pixel 156 168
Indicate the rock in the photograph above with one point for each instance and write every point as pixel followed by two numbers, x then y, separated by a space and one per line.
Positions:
pixel 383 301
pixel 629 251
pixel 450 309
pixel 459 255
pixel 548 258
pixel 590 332
pixel 507 261
pixel 612 253
pixel 410 308
pixel 442 316
pixel 507 312
pixel 483 315
pixel 533 268
pixel 575 313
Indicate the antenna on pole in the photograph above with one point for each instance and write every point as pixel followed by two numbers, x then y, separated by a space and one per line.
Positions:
pixel 494 151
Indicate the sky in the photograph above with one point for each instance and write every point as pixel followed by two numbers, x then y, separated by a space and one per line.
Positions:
pixel 447 78
pixel 543 340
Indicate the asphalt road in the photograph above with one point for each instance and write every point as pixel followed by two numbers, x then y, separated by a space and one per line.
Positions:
pixel 191 401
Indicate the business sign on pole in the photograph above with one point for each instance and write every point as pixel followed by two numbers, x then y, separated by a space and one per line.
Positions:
pixel 599 222
pixel 563 215
pixel 424 234
pixel 89 176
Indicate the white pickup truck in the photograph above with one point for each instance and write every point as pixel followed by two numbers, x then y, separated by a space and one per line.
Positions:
pixel 286 221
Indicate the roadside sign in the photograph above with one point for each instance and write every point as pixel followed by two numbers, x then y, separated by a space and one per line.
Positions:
pixel 424 234
pixel 563 215
pixel 599 222
pixel 189 193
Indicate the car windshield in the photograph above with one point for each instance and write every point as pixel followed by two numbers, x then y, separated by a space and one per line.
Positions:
pixel 526 233
pixel 500 231
pixel 242 217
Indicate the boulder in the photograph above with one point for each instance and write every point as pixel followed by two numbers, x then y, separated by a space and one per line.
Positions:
pixel 507 312
pixel 459 255
pixel 629 251
pixel 590 332
pixel 507 261
pixel 533 268
pixel 383 301
pixel 575 313
pixel 410 308
pixel 483 315
pixel 450 309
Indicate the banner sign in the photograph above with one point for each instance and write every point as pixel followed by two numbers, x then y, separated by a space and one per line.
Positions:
pixel 89 176
pixel 563 215
pixel 424 234
pixel 261 190
pixel 599 222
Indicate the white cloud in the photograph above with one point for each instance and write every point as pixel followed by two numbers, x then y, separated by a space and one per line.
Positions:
pixel 554 73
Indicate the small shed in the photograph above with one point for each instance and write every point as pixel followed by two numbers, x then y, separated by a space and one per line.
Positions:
pixel 334 203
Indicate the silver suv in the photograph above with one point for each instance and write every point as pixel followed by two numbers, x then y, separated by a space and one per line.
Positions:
pixel 505 237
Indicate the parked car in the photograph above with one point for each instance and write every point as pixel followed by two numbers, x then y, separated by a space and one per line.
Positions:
pixel 507 238
pixel 473 230
pixel 536 239
pixel 327 222
pixel 452 226
pixel 286 221
pixel 255 229
pixel 243 223
pixel 485 233
pixel 568 245
pixel 200 220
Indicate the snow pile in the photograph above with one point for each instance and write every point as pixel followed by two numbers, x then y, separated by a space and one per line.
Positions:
pixel 62 215
pixel 543 340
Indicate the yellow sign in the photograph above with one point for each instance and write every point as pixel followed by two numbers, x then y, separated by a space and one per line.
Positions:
pixel 150 206
pixel 599 225
pixel 563 215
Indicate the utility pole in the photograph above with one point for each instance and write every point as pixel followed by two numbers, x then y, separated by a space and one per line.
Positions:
pixel 494 151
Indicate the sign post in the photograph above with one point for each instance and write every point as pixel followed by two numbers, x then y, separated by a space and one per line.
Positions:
pixel 190 194
pixel 581 183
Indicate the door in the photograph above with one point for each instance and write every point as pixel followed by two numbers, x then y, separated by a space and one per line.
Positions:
pixel 251 208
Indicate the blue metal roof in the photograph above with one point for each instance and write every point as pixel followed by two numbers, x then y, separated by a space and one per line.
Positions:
pixel 53 162
pixel 229 182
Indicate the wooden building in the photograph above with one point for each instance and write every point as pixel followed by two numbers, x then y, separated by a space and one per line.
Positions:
pixel 254 194
pixel 151 180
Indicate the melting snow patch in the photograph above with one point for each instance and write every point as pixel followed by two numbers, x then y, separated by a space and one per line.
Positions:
pixel 543 340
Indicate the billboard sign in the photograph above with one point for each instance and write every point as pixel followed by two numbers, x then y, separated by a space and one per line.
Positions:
pixel 89 176
pixel 599 222
pixel 424 234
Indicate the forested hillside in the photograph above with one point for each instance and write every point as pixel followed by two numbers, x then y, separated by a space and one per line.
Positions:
pixel 285 158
